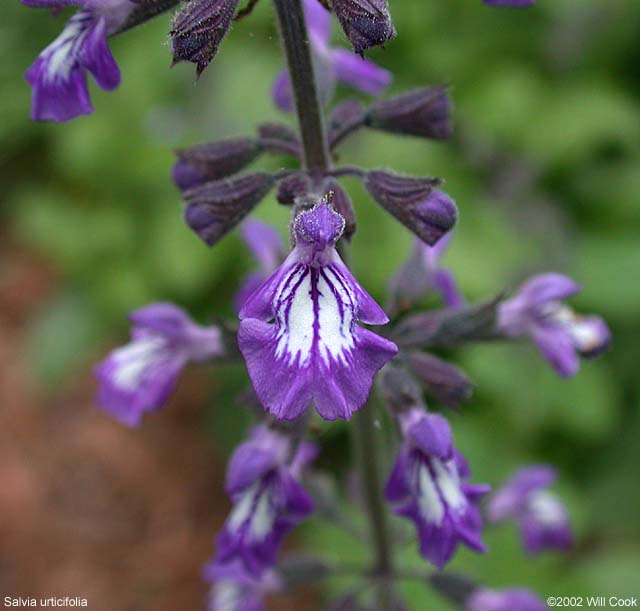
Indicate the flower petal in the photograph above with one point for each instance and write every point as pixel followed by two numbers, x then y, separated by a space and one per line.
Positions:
pixel 556 345
pixel 314 350
pixel 96 57
pixel 360 73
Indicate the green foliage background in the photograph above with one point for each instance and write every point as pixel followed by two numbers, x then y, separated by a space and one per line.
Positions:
pixel 545 168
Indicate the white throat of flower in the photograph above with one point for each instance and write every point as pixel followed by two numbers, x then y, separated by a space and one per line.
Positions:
pixel 255 509
pixel 438 485
pixel 546 508
pixel 132 360
pixel 314 310
pixel 61 55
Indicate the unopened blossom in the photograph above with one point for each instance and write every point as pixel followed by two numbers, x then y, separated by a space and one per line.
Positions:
pixel 331 64
pixel 483 599
pixel 541 516
pixel 299 333
pixel 266 246
pixel 268 500
pixel 140 376
pixel 59 76
pixel 235 589
pixel 537 311
pixel 423 273
pixel 428 486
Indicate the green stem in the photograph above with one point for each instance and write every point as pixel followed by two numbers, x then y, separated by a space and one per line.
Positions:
pixel 366 447
pixel 293 33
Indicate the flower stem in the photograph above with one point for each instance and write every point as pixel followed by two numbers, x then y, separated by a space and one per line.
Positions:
pixel 293 33
pixel 366 449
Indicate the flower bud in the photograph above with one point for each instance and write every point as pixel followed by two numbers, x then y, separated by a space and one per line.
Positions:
pixel 427 212
pixel 399 389
pixel 212 161
pixel 279 138
pixel 344 119
pixel 216 207
pixel 446 383
pixel 424 112
pixel 198 29
pixel 367 23
pixel 342 204
pixel 293 186
pixel 448 327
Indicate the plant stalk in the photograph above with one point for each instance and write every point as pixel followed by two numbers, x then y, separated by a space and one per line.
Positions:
pixel 366 452
pixel 293 33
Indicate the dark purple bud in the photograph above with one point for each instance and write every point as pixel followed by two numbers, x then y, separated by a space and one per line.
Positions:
pixel 427 212
pixel 198 29
pixel 212 161
pixel 341 201
pixel 367 23
pixel 292 187
pixel 216 207
pixel 424 112
pixel 279 138
pixel 446 383
pixel 448 327
pixel 399 389
pixel 344 119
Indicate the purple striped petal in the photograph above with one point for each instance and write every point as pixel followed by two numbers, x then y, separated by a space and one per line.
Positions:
pixel 299 332
pixel 58 76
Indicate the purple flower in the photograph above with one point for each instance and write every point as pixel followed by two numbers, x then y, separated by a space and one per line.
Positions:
pixel 560 334
pixel 265 244
pixel 422 273
pixel 504 600
pixel 331 64
pixel 542 518
pixel 140 376
pixel 428 486
pixel 235 589
pixel 59 76
pixel 298 331
pixel 268 500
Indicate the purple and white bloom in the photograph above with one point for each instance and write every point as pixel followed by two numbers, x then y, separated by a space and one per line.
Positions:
pixel 298 331
pixel 140 376
pixel 541 516
pixel 266 246
pixel 559 333
pixel 428 486
pixel 422 273
pixel 235 589
pixel 331 64
pixel 484 599
pixel 59 76
pixel 268 500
